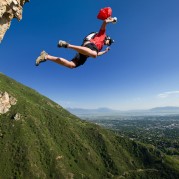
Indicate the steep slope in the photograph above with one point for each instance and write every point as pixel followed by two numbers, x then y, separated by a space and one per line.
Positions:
pixel 46 141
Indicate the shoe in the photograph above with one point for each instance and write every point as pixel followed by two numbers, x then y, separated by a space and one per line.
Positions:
pixel 62 43
pixel 41 58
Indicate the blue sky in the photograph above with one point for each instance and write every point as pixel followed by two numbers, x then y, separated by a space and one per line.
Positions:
pixel 140 71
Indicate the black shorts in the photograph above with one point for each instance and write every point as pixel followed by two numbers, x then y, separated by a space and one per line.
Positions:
pixel 80 59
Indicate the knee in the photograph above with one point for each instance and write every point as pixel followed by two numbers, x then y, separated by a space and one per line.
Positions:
pixel 72 66
pixel 94 55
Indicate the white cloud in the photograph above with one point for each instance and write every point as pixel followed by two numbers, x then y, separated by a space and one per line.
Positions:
pixel 168 94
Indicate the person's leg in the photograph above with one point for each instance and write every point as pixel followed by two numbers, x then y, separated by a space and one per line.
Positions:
pixel 44 56
pixel 83 50
pixel 61 61
pixel 80 49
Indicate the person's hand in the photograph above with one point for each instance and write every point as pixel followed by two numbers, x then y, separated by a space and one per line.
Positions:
pixel 107 49
pixel 111 19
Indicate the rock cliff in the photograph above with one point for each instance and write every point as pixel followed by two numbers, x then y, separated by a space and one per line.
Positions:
pixel 9 9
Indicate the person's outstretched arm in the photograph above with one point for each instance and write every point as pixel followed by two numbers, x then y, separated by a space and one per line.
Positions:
pixel 105 22
pixel 103 52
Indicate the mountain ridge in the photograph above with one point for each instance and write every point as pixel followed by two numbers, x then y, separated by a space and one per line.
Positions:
pixel 108 111
pixel 49 142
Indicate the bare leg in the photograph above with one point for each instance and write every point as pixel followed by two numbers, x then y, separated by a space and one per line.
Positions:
pixel 61 61
pixel 83 50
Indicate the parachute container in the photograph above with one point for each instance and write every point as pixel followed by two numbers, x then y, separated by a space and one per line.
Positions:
pixel 104 13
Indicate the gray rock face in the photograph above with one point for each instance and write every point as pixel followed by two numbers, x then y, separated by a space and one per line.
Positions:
pixel 9 9
pixel 6 101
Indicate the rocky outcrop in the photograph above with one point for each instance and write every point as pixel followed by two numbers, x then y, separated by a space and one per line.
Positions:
pixel 9 9
pixel 17 117
pixel 6 101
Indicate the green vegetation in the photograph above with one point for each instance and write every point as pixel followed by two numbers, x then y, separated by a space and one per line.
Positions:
pixel 49 142
pixel 159 131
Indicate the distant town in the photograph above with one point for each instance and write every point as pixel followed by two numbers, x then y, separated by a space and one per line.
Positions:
pixel 158 127
pixel 160 131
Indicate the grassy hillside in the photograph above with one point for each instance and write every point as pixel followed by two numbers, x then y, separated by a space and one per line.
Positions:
pixel 49 142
